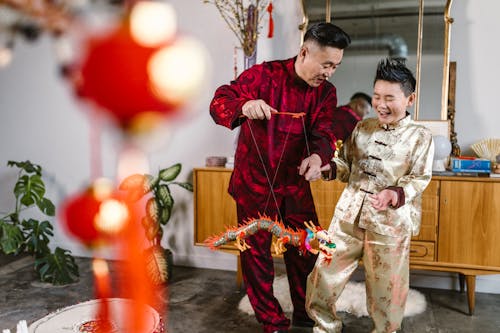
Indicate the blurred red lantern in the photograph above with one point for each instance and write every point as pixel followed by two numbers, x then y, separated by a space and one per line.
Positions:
pixel 114 75
pixel 140 71
pixel 97 214
pixel 78 215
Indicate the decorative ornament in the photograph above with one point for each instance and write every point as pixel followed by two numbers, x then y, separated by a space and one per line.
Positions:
pixel 442 150
pixel 140 71
pixel 95 215
pixel 79 212
pixel 303 239
pixel 487 149
pixel 114 76
pixel 270 33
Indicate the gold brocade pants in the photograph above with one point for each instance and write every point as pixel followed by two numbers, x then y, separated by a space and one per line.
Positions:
pixel 386 262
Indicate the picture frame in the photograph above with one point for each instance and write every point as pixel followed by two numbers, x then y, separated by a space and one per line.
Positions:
pixel 437 127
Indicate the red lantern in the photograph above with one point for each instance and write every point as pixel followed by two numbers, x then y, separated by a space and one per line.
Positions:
pixel 114 75
pixel 79 213
pixel 97 215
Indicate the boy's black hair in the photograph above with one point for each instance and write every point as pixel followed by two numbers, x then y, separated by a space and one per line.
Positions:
pixel 395 70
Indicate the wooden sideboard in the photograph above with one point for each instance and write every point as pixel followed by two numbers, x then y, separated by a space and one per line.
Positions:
pixel 460 229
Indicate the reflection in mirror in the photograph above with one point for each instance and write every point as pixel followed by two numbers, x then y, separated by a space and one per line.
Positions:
pixel 381 28
pixel 432 64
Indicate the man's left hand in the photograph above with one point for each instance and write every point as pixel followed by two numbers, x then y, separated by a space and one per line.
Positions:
pixel 310 167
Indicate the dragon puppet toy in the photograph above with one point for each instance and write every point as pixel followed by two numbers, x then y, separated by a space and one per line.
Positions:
pixel 313 239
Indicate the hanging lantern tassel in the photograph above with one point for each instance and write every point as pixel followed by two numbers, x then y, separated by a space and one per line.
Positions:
pixel 271 21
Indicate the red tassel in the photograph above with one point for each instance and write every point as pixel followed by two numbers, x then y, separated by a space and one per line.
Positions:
pixel 271 21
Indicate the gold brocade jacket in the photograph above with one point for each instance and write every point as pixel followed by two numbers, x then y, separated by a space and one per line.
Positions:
pixel 375 157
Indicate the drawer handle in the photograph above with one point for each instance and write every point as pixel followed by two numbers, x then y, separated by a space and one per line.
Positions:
pixel 420 254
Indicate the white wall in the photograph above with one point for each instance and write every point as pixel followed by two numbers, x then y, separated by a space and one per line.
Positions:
pixel 40 120
pixel 475 49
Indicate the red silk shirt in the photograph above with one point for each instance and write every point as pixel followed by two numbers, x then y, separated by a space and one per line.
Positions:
pixel 269 152
pixel 345 120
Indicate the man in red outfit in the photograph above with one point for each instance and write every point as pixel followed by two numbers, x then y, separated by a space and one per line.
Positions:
pixel 285 111
pixel 347 116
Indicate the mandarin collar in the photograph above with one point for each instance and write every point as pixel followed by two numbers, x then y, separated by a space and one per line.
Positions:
pixel 290 66
pixel 403 122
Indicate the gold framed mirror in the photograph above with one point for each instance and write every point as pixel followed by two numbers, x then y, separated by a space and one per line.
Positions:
pixel 407 28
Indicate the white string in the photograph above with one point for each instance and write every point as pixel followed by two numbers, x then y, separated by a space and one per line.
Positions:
pixel 276 172
pixel 265 170
pixel 305 136
pixel 271 184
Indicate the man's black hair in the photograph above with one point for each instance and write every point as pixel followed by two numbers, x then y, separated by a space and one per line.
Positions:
pixel 395 70
pixel 328 34
pixel 362 95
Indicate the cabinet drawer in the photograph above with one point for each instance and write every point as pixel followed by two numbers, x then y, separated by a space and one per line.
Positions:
pixel 422 251
pixel 430 213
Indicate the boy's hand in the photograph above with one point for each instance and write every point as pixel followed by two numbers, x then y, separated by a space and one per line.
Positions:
pixel 383 199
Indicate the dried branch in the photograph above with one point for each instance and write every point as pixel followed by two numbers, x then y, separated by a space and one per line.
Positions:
pixel 243 18
pixel 51 15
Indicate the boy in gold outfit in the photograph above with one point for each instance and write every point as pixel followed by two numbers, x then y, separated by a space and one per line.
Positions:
pixel 387 162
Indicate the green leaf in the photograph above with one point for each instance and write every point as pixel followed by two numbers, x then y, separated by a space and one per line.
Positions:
pixel 136 186
pixel 46 206
pixel 12 218
pixel 156 265
pixel 27 166
pixel 37 238
pixel 170 173
pixel 30 189
pixel 152 209
pixel 57 268
pixel 150 182
pixel 187 186
pixel 11 238
pixel 164 196
pixel 165 214
pixel 151 227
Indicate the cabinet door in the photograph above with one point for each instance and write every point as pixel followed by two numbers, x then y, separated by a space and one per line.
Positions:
pixel 326 194
pixel 469 223
pixel 215 209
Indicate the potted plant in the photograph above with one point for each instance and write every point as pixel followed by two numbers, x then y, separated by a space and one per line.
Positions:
pixel 158 211
pixel 21 233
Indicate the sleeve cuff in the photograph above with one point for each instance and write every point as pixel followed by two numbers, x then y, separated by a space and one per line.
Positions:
pixel 401 196
pixel 330 174
pixel 238 117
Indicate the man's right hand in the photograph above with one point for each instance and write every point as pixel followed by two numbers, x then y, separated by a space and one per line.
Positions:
pixel 257 109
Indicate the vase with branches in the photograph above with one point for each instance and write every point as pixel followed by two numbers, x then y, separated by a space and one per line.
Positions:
pixel 243 18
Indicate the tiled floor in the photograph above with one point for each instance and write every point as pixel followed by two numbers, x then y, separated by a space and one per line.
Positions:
pixel 205 301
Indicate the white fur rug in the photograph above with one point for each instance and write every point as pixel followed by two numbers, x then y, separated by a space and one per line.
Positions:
pixel 352 299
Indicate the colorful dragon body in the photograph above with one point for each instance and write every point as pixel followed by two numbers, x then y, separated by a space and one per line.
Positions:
pixel 303 239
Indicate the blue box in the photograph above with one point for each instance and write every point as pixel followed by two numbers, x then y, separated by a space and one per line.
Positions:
pixel 470 165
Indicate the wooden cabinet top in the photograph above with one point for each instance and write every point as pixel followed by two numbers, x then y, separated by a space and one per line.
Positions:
pixel 447 178
pixel 468 179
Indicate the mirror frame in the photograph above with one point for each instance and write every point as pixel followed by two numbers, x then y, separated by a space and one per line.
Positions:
pixel 448 20
pixel 444 117
pixel 418 73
